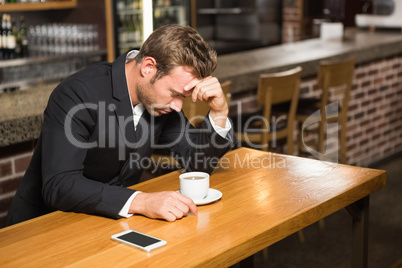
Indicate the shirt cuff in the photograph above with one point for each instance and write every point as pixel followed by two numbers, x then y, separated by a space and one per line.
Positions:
pixel 223 132
pixel 124 211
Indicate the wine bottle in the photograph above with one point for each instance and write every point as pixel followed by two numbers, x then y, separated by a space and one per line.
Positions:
pixel 1 38
pixel 17 45
pixel 4 36
pixel 11 39
pixel 23 38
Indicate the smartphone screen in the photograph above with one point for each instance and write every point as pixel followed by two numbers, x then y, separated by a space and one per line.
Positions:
pixel 139 240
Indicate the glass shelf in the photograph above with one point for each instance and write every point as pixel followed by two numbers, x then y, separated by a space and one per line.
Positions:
pixel 216 11
pixel 24 73
pixel 19 7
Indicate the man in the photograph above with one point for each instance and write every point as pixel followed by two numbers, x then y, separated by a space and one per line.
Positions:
pixel 100 122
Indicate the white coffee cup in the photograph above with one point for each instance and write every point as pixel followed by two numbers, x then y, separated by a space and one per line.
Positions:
pixel 194 185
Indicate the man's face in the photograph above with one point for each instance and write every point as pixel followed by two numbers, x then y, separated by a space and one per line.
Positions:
pixel 166 94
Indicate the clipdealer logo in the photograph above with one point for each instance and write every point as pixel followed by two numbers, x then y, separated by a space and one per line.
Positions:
pixel 331 140
pixel 330 111
pixel 246 161
pixel 112 130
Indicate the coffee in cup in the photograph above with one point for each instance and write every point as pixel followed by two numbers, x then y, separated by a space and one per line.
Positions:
pixel 194 185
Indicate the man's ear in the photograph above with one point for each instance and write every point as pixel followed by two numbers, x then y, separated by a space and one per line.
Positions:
pixel 148 66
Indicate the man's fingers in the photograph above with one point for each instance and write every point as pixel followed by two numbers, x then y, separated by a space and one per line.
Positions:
pixel 202 93
pixel 169 216
pixel 190 205
pixel 179 205
pixel 178 213
pixel 206 89
pixel 166 205
pixel 195 82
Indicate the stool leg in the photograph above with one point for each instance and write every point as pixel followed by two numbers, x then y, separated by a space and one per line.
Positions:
pixel 265 254
pixel 302 238
pixel 299 137
pixel 321 224
pixel 321 132
pixel 343 157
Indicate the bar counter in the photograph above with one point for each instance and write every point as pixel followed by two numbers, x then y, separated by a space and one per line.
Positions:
pixel 22 114
pixel 243 68
pixel 21 111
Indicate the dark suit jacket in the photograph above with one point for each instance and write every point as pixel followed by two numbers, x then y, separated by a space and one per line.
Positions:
pixel 88 148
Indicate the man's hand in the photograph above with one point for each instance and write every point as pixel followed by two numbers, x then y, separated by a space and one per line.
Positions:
pixel 163 205
pixel 209 90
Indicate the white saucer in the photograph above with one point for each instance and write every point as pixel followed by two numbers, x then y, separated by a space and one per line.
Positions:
pixel 212 196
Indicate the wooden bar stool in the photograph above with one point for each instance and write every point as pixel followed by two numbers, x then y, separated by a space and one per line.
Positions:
pixel 335 81
pixel 278 93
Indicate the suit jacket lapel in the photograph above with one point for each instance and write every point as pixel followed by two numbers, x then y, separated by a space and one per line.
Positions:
pixel 131 170
pixel 124 116
pixel 122 109
pixel 147 129
pixel 130 141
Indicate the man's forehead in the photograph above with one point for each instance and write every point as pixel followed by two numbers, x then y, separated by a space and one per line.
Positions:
pixel 180 77
pixel 182 72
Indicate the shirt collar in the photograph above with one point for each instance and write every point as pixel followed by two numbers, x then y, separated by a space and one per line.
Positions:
pixel 138 110
pixel 131 55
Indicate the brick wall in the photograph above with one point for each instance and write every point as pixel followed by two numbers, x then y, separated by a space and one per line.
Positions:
pixel 375 111
pixel 14 160
pixel 375 117
pixel 374 128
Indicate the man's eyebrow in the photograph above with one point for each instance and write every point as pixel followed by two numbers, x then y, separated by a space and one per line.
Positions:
pixel 178 93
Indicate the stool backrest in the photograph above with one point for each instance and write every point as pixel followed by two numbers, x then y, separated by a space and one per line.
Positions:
pixel 279 88
pixel 335 77
pixel 337 74
pixel 276 88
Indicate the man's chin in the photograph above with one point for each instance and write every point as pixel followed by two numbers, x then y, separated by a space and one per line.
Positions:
pixel 158 112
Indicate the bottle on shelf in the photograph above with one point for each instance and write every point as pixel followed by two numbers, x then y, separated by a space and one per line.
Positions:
pixel 10 39
pixel 139 28
pixel 15 49
pixel 1 37
pixel 45 39
pixel 13 39
pixel 11 42
pixel 22 38
pixel 121 5
pixel 130 28
pixel 4 36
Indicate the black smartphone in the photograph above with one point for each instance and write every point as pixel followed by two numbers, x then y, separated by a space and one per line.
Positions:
pixel 139 240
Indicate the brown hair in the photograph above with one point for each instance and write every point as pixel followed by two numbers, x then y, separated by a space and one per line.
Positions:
pixel 174 45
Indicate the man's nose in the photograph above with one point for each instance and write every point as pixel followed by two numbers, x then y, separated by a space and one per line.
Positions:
pixel 176 105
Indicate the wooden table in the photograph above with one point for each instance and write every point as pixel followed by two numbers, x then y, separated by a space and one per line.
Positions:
pixel 266 197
